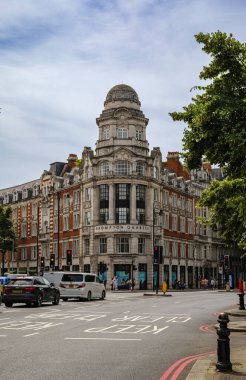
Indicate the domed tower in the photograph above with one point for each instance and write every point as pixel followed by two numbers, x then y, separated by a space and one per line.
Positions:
pixel 122 123
pixel 121 207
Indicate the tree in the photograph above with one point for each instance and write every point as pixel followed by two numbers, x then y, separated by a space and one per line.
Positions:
pixel 7 233
pixel 216 129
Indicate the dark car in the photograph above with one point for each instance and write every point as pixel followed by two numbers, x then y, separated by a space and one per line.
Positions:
pixel 30 290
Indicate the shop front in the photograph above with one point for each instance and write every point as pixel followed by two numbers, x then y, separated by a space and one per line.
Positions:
pixel 123 274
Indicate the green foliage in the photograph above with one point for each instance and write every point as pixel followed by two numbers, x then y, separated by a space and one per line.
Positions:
pixel 216 117
pixel 78 162
pixel 216 129
pixel 7 234
pixel 226 201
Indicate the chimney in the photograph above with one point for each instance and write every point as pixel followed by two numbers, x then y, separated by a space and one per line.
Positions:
pixel 72 158
pixel 174 164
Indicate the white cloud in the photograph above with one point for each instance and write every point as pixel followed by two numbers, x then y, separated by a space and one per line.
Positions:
pixel 59 59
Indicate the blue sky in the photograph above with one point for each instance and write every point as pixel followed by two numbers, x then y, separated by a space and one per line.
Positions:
pixel 59 59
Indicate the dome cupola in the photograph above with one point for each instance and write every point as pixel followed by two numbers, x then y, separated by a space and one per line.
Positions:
pixel 119 94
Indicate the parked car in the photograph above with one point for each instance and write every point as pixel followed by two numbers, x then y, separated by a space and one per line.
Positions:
pixel 30 290
pixel 77 285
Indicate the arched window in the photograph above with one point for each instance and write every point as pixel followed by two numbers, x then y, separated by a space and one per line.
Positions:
pixel 104 168
pixel 25 194
pixel 35 190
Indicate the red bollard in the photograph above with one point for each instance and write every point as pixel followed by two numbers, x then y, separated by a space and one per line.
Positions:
pixel 241 294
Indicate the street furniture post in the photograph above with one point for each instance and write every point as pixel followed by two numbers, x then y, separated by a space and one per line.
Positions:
pixel 241 295
pixel 223 348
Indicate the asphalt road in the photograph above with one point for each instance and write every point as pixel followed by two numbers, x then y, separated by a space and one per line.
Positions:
pixel 127 336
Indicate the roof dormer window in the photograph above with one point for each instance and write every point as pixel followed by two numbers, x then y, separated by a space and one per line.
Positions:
pixel 25 193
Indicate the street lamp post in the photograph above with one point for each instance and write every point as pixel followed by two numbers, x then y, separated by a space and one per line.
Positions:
pixel 160 213
pixel 37 241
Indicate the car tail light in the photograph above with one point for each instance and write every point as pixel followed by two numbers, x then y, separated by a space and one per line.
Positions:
pixel 61 285
pixel 30 288
pixel 7 288
pixel 81 286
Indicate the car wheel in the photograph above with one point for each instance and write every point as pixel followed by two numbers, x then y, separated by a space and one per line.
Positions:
pixel 39 300
pixel 89 296
pixel 56 300
pixel 8 304
pixel 103 295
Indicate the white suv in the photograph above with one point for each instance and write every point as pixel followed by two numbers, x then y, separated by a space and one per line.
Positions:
pixel 77 285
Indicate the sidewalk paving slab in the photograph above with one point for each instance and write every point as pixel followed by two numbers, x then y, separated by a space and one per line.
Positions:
pixel 205 368
pixel 236 312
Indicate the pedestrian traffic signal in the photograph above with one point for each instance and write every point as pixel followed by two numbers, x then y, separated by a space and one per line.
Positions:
pixel 69 257
pixel 52 260
pixel 42 262
pixel 156 254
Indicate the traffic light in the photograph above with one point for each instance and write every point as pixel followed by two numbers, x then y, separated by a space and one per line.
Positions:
pixel 226 261
pixel 156 254
pixel 42 262
pixel 52 260
pixel 69 257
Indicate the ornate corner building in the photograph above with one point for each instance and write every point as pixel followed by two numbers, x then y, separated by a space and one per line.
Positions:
pixel 114 208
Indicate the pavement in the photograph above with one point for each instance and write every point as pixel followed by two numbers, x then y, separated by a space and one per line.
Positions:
pixel 205 367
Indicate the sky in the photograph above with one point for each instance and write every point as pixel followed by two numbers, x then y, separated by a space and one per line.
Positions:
pixel 59 59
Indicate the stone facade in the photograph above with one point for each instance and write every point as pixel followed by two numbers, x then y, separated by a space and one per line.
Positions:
pixel 112 208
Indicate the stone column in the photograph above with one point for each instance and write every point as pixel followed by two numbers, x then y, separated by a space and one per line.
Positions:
pixel 111 204
pixel 178 272
pixel 186 275
pixel 95 205
pixel 149 206
pixel 133 219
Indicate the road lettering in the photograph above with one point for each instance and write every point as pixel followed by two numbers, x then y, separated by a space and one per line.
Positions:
pixel 125 329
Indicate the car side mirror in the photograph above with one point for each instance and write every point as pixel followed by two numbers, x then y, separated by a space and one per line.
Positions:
pixel 52 284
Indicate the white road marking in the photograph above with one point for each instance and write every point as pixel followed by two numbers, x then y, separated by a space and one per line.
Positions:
pixel 3 336
pixel 119 329
pixel 31 334
pixel 99 339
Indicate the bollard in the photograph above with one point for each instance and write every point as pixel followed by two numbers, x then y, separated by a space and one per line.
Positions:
pixel 241 301
pixel 241 295
pixel 223 349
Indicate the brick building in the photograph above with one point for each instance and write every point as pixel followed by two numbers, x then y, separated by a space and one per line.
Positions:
pixel 114 207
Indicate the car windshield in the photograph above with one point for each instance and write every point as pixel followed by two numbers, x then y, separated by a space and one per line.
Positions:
pixel 72 277
pixel 21 281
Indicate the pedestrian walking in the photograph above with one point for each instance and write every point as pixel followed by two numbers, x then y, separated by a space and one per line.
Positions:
pixel 130 284
pixel 115 283
pixel 212 284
